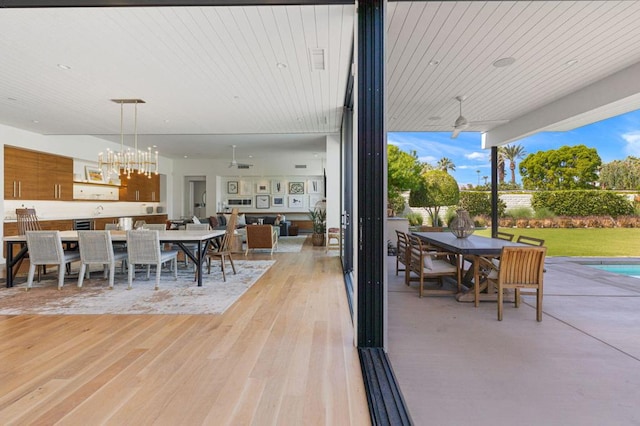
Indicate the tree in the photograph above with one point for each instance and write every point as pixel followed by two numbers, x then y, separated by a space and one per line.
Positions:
pixel 513 153
pixel 569 167
pixel 501 165
pixel 403 174
pixel 445 164
pixel 436 189
pixel 621 174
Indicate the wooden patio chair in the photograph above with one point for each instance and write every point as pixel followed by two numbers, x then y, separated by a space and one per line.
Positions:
pixel 428 264
pixel 530 241
pixel 505 236
pixel 402 251
pixel 520 268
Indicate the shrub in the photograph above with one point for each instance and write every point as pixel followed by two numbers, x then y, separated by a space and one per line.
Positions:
pixel 507 222
pixel 479 203
pixel 480 222
pixel 449 215
pixel 414 218
pixel 543 213
pixel 628 221
pixel 582 203
pixel 520 213
pixel 522 223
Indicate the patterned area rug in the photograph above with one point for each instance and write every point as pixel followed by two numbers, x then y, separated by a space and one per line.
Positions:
pixel 173 297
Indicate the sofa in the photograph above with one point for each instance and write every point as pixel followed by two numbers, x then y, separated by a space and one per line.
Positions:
pixel 219 221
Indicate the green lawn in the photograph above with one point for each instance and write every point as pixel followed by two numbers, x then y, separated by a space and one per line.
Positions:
pixel 582 242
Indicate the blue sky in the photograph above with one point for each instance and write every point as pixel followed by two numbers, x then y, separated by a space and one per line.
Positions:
pixel 614 139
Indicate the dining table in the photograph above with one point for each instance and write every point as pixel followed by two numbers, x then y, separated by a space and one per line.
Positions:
pixel 194 244
pixel 469 248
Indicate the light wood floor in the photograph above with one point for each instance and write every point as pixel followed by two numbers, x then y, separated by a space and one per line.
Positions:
pixel 282 355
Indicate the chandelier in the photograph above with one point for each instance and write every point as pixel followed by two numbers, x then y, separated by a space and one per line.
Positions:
pixel 127 162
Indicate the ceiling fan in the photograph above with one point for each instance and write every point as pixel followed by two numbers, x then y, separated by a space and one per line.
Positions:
pixel 462 123
pixel 235 163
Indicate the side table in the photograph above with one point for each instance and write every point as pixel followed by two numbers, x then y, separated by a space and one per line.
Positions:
pixel 293 230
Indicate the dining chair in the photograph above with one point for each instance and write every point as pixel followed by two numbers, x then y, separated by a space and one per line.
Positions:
pixel 223 252
pixel 155 226
pixel 111 227
pixel 505 236
pixel 27 220
pixel 402 251
pixel 520 268
pixel 530 241
pixel 45 248
pixel 143 248
pixel 261 237
pixel 428 264
pixel 96 248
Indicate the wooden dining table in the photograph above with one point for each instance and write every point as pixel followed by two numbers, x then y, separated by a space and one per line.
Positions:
pixel 469 248
pixel 186 240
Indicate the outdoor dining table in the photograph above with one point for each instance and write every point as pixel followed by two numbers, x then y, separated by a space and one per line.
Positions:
pixel 200 239
pixel 470 248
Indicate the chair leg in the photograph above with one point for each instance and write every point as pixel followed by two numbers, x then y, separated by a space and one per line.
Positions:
pixel 175 268
pixel 500 300
pixel 233 267
pixel 158 271
pixel 32 272
pixel 517 297
pixel 539 304
pixel 112 272
pixel 61 272
pixel 83 270
pixel 224 276
pixel 132 269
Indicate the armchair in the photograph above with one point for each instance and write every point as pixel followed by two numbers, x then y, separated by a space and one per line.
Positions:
pixel 261 237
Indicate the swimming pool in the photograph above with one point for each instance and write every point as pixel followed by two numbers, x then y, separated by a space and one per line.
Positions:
pixel 630 270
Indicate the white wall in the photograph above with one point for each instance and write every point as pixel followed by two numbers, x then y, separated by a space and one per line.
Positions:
pixel 333 181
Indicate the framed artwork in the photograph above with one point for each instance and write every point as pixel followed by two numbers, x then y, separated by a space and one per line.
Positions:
pixel 277 187
pixel 278 201
pixel 245 187
pixel 314 186
pixel 262 201
pixel 232 187
pixel 93 174
pixel 313 200
pixel 296 187
pixel 296 201
pixel 262 187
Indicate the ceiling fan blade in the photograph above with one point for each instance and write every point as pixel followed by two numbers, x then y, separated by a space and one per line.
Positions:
pixel 455 133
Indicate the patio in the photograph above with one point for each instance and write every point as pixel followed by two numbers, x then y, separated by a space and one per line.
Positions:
pixel 458 365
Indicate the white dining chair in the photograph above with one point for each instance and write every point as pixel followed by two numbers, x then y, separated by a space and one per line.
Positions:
pixel 143 247
pixel 96 248
pixel 45 248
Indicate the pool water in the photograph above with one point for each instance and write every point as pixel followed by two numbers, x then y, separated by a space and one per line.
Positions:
pixel 630 270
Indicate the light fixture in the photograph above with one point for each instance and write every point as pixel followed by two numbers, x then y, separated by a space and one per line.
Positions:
pixel 129 161
pixel 504 62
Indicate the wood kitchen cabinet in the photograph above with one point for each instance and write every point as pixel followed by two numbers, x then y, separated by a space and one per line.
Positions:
pixel 31 175
pixel 55 177
pixel 140 188
pixel 20 174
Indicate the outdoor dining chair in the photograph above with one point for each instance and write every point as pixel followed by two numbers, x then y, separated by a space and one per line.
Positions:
pixel 45 248
pixel 520 268
pixel 402 251
pixel 427 264
pixel 96 248
pixel 143 248
pixel 505 236
pixel 530 241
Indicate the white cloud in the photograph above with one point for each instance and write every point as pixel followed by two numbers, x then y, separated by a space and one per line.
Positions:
pixel 633 143
pixel 428 159
pixel 480 156
pixel 475 167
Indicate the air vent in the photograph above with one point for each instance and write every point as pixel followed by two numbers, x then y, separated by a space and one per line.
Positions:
pixel 317 57
pixel 301 166
pixel 243 166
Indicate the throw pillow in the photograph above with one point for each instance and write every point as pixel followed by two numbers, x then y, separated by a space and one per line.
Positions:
pixel 241 220
pixel 213 221
pixel 428 264
pixel 195 219
pixel 226 218
pixel 222 220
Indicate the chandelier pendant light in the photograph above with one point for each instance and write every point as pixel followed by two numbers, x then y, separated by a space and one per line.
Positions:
pixel 126 162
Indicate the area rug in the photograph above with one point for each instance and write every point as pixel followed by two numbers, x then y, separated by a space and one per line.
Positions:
pixel 173 297
pixel 290 244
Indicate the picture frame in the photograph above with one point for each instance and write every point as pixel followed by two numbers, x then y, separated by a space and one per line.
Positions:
pixel 232 187
pixel 262 187
pixel 296 201
pixel 314 199
pixel 245 187
pixel 277 186
pixel 277 201
pixel 93 174
pixel 262 201
pixel 314 186
pixel 296 187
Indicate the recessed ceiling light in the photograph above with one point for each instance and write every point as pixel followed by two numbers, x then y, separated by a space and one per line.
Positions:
pixel 35 121
pixel 434 62
pixel 186 156
pixel 11 99
pixel 504 62
pixel 281 65
pixel 166 121
pixel 64 67
pixel 571 62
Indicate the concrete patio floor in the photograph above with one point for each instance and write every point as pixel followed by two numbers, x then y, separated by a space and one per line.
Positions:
pixel 457 365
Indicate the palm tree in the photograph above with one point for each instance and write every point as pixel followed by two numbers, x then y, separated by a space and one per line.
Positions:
pixel 513 153
pixel 501 167
pixel 445 164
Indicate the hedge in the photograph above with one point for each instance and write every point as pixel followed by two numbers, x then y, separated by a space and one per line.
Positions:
pixel 583 203
pixel 479 203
